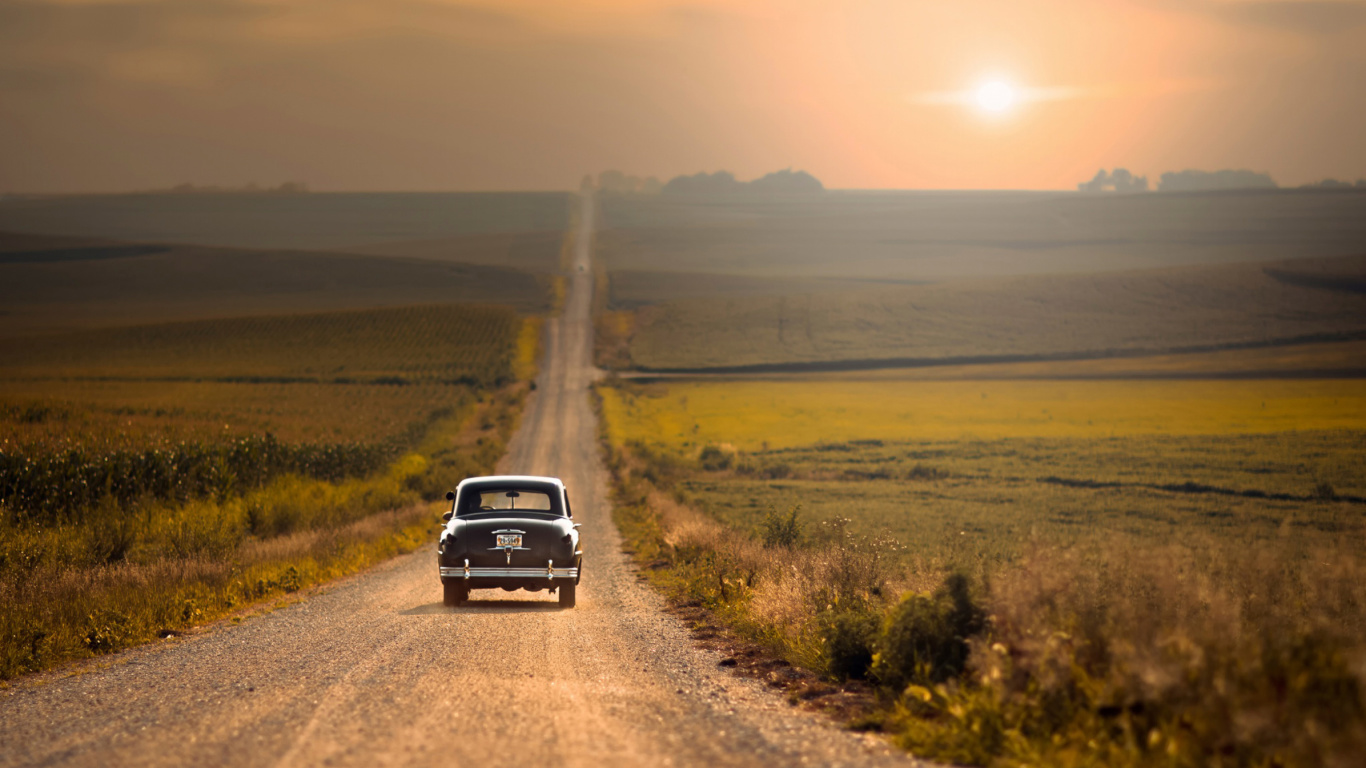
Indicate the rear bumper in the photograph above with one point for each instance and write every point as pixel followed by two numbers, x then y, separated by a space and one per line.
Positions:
pixel 542 574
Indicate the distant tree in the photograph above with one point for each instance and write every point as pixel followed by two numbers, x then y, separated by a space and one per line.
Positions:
pixel 613 181
pixel 785 182
pixel 719 183
pixel 1096 184
pixel 1330 184
pixel 616 182
pixel 1202 181
pixel 1118 180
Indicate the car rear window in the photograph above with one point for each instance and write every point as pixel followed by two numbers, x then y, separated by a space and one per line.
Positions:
pixel 532 501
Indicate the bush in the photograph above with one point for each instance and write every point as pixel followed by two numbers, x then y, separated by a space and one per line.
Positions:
pixel 714 459
pixel 924 638
pixel 847 642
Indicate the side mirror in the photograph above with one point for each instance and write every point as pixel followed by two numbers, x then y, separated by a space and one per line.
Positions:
pixel 447 517
pixel 450 495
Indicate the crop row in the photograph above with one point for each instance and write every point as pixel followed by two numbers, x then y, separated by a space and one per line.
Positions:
pixel 66 486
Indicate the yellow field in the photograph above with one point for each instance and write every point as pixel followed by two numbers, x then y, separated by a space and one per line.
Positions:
pixel 753 415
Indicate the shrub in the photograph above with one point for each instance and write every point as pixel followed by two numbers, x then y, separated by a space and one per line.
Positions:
pixel 848 638
pixel 782 530
pixel 714 459
pixel 924 638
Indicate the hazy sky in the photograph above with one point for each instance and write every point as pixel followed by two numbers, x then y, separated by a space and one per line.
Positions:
pixel 532 94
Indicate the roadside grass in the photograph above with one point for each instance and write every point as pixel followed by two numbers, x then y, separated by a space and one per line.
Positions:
pixel 1189 591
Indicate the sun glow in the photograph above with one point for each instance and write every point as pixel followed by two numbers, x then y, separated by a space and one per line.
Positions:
pixel 996 96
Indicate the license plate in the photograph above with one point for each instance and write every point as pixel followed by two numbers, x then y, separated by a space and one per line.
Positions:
pixel 509 540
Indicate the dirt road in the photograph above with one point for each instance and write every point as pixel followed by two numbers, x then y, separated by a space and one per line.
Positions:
pixel 375 671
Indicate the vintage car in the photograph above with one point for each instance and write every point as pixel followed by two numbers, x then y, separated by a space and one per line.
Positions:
pixel 509 532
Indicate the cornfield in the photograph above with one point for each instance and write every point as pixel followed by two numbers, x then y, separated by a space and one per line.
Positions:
pixel 62 487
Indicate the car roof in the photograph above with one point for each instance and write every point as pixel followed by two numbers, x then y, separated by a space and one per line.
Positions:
pixel 528 480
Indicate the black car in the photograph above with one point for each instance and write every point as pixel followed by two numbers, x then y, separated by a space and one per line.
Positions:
pixel 509 532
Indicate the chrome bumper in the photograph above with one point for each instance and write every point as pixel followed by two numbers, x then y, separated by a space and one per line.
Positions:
pixel 509 573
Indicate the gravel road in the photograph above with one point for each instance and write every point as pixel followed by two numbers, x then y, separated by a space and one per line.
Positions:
pixel 374 670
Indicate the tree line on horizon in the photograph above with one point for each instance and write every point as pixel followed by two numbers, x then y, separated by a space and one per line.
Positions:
pixel 720 183
pixel 1121 180
pixel 790 182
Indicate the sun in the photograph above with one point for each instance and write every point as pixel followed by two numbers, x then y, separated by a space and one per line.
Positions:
pixel 996 96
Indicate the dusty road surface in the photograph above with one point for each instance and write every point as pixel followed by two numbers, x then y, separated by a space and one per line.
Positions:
pixel 375 671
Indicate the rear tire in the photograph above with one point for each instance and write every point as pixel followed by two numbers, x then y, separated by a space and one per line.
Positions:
pixel 454 594
pixel 567 594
